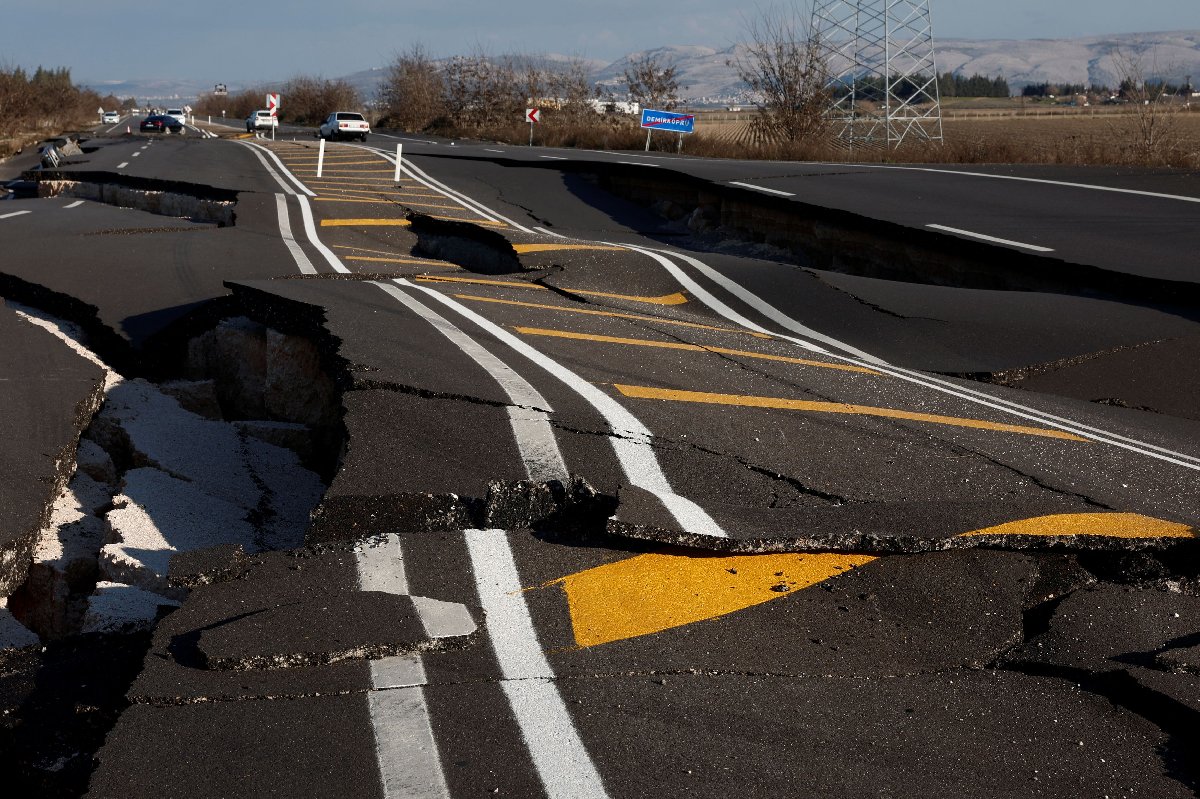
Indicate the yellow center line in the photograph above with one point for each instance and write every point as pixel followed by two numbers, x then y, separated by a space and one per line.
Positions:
pixel 393 260
pixel 679 345
pixel 365 223
pixel 532 248
pixel 779 403
pixel 615 314
pixel 667 299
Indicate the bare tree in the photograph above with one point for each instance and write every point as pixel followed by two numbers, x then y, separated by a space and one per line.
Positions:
pixel 786 70
pixel 574 91
pixel 1154 135
pixel 412 90
pixel 653 82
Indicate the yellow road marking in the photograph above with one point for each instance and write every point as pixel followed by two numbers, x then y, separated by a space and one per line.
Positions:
pixel 679 345
pixel 1109 525
pixel 394 260
pixel 666 299
pixel 780 403
pixel 362 249
pixel 426 205
pixel 365 223
pixel 329 182
pixel 655 592
pixel 348 171
pixel 375 200
pixel 328 162
pixel 615 314
pixel 531 248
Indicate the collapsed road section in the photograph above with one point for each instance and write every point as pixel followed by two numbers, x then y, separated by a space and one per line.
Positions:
pixel 456 513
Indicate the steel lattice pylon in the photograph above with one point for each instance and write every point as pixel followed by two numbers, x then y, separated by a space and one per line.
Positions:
pixel 881 56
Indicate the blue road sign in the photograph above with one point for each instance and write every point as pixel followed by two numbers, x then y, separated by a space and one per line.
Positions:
pixel 668 120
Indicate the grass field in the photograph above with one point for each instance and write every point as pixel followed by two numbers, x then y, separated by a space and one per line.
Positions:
pixel 1001 134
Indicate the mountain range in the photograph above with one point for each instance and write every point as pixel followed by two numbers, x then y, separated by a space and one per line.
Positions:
pixel 708 77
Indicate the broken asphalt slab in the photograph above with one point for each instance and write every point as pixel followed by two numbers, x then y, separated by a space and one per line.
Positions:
pixel 48 395
pixel 284 625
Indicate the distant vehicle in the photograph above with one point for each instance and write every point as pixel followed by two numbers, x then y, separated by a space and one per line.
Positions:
pixel 160 123
pixel 111 117
pixel 261 119
pixel 344 124
pixel 178 115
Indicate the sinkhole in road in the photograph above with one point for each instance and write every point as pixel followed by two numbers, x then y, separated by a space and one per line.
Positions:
pixel 229 443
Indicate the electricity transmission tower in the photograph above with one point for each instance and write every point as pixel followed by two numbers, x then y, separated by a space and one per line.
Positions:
pixel 881 55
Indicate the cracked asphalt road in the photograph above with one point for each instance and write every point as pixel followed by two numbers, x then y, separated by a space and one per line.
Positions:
pixel 630 519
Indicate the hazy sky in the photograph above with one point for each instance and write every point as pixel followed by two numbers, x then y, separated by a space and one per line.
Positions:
pixel 242 41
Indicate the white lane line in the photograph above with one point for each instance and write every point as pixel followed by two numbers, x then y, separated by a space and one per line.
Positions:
pixel 418 174
pixel 639 163
pixel 122 165
pixel 559 755
pixel 285 230
pixel 549 233
pixel 270 170
pixel 14 213
pixel 762 188
pixel 405 749
pixel 145 146
pixel 1068 184
pixel 135 155
pixel 311 230
pixel 632 443
pixel 553 157
pixel 75 204
pixel 750 299
pixel 936 384
pixel 529 413
pixel 405 138
pixel 258 148
pixel 992 239
pixel 490 150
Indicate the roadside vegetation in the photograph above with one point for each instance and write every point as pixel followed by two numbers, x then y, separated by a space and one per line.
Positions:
pixel 43 104
pixel 306 100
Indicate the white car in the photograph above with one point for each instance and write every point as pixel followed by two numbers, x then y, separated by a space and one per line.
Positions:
pixel 111 117
pixel 178 114
pixel 261 119
pixel 344 125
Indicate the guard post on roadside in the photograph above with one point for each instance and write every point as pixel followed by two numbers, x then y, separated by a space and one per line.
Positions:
pixel 534 117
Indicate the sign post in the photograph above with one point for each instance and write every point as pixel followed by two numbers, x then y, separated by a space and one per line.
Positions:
pixel 533 116
pixel 667 120
pixel 273 107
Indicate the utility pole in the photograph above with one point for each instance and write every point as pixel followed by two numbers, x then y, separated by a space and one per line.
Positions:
pixel 881 54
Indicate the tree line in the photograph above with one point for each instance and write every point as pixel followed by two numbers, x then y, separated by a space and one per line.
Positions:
pixel 46 102
pixel 304 100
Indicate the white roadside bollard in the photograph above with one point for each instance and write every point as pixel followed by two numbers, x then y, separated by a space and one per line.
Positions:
pixel 399 150
pixel 321 158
